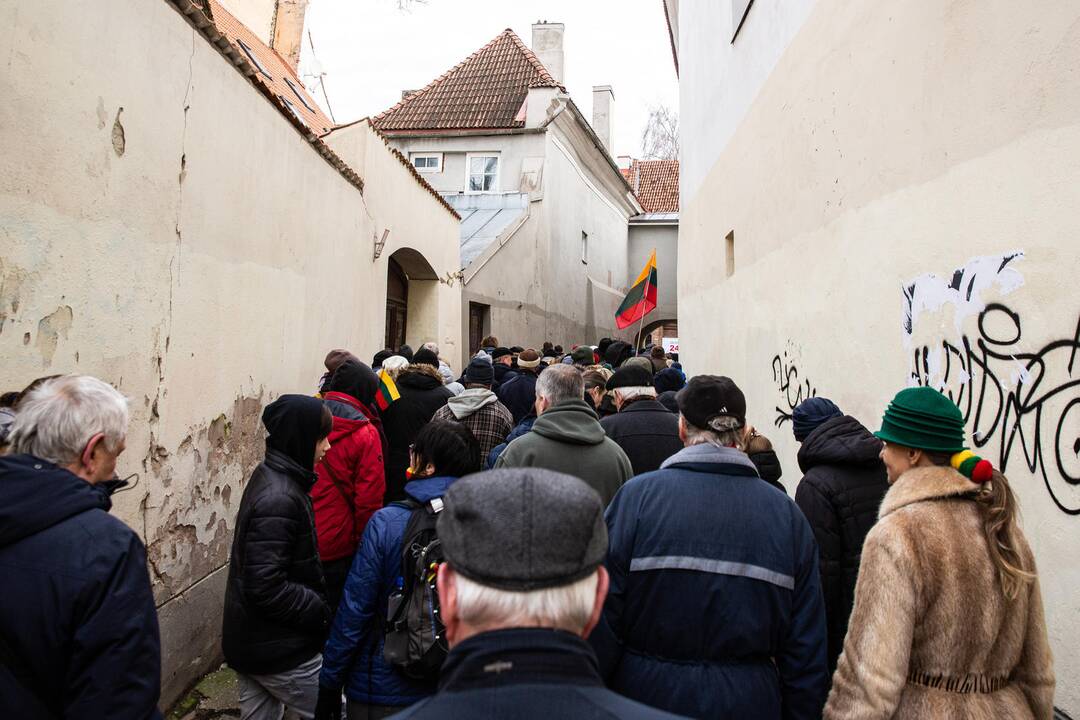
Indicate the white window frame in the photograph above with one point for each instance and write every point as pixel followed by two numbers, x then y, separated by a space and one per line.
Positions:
pixel 438 157
pixel 468 171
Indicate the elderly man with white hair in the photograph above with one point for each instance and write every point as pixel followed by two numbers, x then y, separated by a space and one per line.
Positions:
pixel 78 628
pixel 521 588
pixel 642 427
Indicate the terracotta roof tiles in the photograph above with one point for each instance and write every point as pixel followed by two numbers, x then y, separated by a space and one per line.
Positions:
pixel 486 90
pixel 655 183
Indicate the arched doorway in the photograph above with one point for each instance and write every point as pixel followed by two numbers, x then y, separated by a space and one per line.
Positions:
pixel 411 300
pixel 654 332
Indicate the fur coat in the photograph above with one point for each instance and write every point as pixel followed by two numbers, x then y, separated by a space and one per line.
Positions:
pixel 931 634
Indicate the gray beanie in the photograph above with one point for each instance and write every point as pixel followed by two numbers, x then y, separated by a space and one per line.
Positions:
pixel 523 529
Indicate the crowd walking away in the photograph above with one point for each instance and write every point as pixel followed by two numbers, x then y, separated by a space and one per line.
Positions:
pixel 540 532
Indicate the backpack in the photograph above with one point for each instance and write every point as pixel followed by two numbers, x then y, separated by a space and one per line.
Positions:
pixel 415 638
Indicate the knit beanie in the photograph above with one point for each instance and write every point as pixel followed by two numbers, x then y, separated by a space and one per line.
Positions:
pixel 810 413
pixel 424 356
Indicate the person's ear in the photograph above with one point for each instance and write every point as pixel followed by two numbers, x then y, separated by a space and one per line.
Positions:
pixel 91 454
pixel 682 429
pixel 444 583
pixel 914 456
pixel 603 581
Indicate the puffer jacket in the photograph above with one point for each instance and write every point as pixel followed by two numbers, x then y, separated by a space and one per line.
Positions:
pixel 714 608
pixel 351 480
pixel 646 432
pixel 568 438
pixel 76 608
pixel 422 393
pixel 276 616
pixel 843 483
pixel 768 467
pixel 518 394
pixel 353 656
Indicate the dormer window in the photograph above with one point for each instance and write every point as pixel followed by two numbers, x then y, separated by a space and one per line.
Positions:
pixel 483 173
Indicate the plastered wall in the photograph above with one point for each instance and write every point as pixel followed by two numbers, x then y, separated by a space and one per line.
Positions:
pixel 902 192
pixel 165 228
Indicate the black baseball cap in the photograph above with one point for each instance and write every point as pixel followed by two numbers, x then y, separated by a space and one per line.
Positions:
pixel 712 402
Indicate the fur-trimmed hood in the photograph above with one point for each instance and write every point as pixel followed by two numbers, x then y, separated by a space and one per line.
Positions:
pixel 420 376
pixel 925 483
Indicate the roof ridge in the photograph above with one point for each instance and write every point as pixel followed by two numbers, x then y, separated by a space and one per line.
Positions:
pixel 531 57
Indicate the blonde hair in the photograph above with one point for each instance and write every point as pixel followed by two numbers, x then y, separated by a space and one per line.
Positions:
pixel 999 508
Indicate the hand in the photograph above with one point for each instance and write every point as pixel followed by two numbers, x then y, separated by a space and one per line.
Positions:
pixel 328 706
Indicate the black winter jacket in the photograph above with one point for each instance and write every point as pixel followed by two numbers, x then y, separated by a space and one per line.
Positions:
pixel 503 374
pixel 422 393
pixel 518 394
pixel 768 467
pixel 76 609
pixel 276 615
pixel 646 432
pixel 843 483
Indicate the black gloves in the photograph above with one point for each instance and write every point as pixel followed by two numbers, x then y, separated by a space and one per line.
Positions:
pixel 328 707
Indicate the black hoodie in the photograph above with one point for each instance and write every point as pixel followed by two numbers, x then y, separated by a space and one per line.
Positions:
pixel 276 614
pixel 840 493
pixel 76 607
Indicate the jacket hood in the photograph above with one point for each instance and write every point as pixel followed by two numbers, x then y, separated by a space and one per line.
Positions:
pixel 355 379
pixel 35 495
pixel 470 401
pixel 571 421
pixel 839 441
pixel 347 411
pixel 427 489
pixel 295 426
pixel 420 377
pixel 708 453
pixel 767 464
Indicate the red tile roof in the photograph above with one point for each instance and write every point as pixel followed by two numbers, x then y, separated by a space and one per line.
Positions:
pixel 486 90
pixel 273 71
pixel 655 183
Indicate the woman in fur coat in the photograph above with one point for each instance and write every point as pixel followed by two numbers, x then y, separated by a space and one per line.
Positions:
pixel 948 617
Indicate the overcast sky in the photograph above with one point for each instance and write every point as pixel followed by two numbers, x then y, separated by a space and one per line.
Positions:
pixel 370 51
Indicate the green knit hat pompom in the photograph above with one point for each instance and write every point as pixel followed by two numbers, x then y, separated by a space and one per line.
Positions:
pixel 924 419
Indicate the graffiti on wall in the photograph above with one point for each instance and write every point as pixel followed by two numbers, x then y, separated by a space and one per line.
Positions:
pixel 1020 395
pixel 793 389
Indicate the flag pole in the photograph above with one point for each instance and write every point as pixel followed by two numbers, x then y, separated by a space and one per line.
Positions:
pixel 645 297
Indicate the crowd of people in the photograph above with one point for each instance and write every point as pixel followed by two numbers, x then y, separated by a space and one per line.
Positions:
pixel 546 534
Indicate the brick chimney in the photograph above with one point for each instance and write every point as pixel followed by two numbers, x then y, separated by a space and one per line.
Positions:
pixel 289 29
pixel 603 115
pixel 547 45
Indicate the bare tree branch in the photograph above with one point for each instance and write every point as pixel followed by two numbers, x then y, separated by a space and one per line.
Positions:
pixel 660 139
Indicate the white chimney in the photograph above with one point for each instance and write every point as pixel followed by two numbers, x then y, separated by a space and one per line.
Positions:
pixel 547 45
pixel 603 115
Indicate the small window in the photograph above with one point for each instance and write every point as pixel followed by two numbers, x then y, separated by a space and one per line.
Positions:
pixel 429 163
pixel 293 110
pixel 483 173
pixel 299 95
pixel 254 60
pixel 730 255
pixel 584 247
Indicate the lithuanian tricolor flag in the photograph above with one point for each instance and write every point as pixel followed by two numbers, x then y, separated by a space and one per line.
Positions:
pixel 641 300
pixel 387 392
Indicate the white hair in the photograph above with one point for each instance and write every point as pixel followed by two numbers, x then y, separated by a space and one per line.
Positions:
pixel 394 364
pixel 720 438
pixel 566 607
pixel 433 347
pixel 560 382
pixel 58 418
pixel 629 393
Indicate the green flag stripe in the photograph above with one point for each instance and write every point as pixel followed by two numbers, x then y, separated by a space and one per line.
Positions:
pixel 637 293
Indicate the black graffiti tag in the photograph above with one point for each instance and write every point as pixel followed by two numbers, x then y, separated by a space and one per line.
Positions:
pixel 1025 404
pixel 794 391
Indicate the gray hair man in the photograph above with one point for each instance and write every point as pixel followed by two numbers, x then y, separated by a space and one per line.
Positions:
pixel 567 436
pixel 521 588
pixel 82 601
pixel 643 428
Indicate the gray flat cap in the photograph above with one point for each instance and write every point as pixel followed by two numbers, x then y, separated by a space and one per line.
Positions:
pixel 523 529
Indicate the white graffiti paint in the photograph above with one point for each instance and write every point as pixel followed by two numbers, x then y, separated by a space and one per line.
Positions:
pixel 963 291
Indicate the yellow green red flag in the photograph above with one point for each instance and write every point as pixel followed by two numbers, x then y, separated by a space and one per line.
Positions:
pixel 641 300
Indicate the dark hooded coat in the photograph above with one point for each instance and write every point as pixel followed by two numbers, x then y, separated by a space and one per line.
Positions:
pixel 276 615
pixel 76 611
pixel 422 393
pixel 646 432
pixel 843 484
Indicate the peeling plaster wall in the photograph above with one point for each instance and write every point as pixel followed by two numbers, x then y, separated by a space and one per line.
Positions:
pixel 195 251
pixel 888 167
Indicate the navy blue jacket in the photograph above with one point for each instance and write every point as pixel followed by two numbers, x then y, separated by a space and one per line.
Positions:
pixel 715 607
pixel 76 609
pixel 353 656
pixel 525 674
pixel 520 429
pixel 518 394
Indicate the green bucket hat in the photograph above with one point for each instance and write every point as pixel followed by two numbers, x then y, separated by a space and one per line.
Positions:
pixel 924 419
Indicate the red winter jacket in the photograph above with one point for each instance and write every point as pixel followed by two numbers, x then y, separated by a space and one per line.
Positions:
pixel 355 462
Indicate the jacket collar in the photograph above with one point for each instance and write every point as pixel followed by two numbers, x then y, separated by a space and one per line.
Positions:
pixel 925 483
pixel 425 489
pixel 643 403
pixel 709 454
pixel 282 463
pixel 519 655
